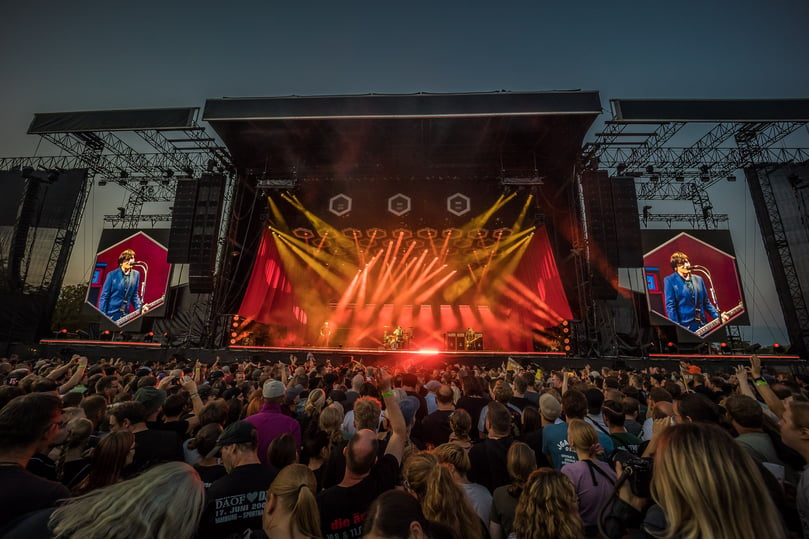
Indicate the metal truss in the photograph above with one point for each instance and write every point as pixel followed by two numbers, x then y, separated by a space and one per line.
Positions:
pixel 643 153
pixel 777 244
pixel 716 219
pixel 116 220
pixel 717 161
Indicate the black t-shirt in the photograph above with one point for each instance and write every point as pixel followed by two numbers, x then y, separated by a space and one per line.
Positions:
pixel 74 471
pixel 209 474
pixel 235 502
pixel 473 405
pixel 488 460
pixel 519 402
pixel 43 466
pixel 422 411
pixel 335 466
pixel 23 492
pixel 435 428
pixel 342 509
pixel 180 427
pixel 155 447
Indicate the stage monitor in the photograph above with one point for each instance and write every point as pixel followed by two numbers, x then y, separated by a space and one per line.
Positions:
pixel 130 276
pixel 692 280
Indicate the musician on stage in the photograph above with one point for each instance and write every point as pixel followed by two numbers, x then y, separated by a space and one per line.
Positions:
pixel 470 338
pixel 686 297
pixel 120 294
pixel 325 332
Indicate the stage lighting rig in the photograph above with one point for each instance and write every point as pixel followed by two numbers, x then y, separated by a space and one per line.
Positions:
pixel 531 180
pixel 277 184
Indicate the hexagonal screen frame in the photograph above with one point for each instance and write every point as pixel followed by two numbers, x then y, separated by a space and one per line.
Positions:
pixel 150 264
pixel 720 277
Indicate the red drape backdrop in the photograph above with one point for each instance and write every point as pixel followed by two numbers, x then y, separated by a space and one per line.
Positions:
pixel 533 297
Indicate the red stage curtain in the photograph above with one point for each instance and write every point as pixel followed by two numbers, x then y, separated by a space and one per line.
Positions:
pixel 269 298
pixel 538 271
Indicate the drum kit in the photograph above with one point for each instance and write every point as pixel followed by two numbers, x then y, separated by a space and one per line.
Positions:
pixel 398 339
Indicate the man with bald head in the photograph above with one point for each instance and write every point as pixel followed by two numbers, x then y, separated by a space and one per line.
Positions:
pixel 343 506
pixel 657 396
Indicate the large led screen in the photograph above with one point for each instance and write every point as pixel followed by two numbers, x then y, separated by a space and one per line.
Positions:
pixel 130 277
pixel 691 281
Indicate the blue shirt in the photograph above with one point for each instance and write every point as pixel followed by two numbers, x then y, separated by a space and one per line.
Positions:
pixel 554 444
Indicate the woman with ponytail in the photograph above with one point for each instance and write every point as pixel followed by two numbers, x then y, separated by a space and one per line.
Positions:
pixel 593 479
pixel 291 509
pixel 208 468
pixel 442 500
pixel 71 464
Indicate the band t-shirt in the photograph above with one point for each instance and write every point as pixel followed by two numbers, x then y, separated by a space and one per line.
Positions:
pixel 342 509
pixel 209 474
pixel 235 502
pixel 554 444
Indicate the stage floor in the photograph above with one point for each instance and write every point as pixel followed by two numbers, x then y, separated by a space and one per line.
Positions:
pixel 138 351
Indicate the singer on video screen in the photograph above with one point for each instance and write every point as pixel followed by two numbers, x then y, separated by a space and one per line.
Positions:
pixel 686 297
pixel 121 293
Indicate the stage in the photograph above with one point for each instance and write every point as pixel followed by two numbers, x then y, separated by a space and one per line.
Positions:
pixel 416 359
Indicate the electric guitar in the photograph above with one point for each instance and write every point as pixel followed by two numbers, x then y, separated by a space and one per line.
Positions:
pixel 128 317
pixel 716 322
pixel 470 342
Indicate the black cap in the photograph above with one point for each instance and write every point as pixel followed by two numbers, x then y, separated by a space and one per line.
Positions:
pixel 240 432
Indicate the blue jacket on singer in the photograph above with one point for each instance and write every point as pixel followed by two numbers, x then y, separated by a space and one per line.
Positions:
pixel 120 294
pixel 688 305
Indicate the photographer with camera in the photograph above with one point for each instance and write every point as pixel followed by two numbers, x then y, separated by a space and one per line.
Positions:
pixel 702 484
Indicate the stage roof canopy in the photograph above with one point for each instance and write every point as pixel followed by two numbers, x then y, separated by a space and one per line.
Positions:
pixel 474 134
pixel 710 110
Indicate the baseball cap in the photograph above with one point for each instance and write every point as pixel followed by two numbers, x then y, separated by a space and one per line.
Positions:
pixel 432 385
pixel 549 407
pixel 240 432
pixel 151 398
pixel 409 405
pixel 273 389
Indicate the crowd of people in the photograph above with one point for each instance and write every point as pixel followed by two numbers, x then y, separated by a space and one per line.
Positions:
pixel 101 448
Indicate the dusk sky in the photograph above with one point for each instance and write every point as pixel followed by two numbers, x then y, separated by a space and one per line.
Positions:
pixel 68 56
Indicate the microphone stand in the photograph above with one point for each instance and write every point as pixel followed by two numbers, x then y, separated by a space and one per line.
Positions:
pixel 707 274
pixel 145 268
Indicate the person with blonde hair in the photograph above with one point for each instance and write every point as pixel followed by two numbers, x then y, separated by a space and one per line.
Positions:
pixel 147 506
pixel 291 508
pixel 457 460
pixel 442 500
pixel 311 412
pixel 708 486
pixel 547 508
pixel 521 461
pixel 705 486
pixel 593 479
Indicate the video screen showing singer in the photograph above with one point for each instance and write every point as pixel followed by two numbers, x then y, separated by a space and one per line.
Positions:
pixel 686 297
pixel 121 293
